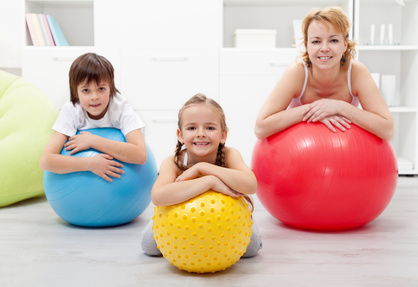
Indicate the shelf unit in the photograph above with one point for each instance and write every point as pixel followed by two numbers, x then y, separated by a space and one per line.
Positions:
pixel 76 18
pixel 188 48
pixel 399 59
pixel 271 14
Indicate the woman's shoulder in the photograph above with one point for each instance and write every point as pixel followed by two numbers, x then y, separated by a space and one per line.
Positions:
pixel 358 67
pixel 297 67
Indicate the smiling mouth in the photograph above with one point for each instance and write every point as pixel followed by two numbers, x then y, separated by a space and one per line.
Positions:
pixel 324 58
pixel 201 144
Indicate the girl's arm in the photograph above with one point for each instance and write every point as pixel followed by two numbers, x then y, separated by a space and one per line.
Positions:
pixel 273 116
pixel 133 151
pixel 52 160
pixel 375 116
pixel 168 191
pixel 236 175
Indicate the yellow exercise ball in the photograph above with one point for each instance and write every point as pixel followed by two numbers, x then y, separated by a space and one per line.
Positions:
pixel 208 233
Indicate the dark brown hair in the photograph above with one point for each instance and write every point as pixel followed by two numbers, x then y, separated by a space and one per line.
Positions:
pixel 91 67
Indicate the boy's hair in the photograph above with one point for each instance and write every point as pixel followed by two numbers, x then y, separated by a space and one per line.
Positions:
pixel 335 17
pixel 195 100
pixel 91 67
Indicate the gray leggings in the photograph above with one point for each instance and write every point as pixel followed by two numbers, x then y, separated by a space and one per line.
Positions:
pixel 149 246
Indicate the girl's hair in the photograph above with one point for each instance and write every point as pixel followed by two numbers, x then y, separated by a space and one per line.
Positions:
pixel 196 100
pixel 91 67
pixel 220 159
pixel 335 17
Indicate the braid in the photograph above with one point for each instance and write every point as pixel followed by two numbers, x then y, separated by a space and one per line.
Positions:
pixel 220 157
pixel 177 161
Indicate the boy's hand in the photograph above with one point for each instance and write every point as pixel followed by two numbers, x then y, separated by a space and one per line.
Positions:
pixel 104 166
pixel 79 142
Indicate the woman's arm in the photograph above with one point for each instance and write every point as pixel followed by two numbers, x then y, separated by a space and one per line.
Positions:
pixel 52 160
pixel 236 175
pixel 133 151
pixel 273 116
pixel 375 116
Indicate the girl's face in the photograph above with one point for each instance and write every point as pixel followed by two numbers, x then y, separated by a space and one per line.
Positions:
pixel 201 132
pixel 325 46
pixel 94 98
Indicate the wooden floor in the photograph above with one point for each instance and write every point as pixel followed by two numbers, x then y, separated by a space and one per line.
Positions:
pixel 37 248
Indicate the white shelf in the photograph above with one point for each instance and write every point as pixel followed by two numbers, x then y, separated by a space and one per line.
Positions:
pixel 278 2
pixel 75 18
pixel 405 166
pixel 386 48
pixel 62 3
pixel 403 109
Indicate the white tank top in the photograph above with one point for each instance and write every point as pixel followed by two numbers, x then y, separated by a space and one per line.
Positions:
pixel 297 101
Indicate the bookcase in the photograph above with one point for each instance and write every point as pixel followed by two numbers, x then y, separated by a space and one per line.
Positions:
pixel 247 76
pixel 398 59
pixel 76 18
pixel 165 51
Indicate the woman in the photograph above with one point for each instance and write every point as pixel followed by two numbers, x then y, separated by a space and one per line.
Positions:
pixel 327 85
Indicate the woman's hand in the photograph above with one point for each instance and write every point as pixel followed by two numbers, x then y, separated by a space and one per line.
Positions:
pixel 104 166
pixel 321 109
pixel 79 142
pixel 341 123
pixel 327 112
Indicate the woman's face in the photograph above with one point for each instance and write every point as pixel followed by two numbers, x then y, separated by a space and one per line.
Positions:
pixel 324 45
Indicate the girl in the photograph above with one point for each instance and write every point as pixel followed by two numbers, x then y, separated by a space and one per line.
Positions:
pixel 204 163
pixel 327 85
pixel 94 103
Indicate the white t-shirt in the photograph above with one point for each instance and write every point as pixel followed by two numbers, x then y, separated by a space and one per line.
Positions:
pixel 119 114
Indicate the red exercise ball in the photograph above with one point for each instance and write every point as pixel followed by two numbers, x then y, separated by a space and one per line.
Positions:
pixel 311 178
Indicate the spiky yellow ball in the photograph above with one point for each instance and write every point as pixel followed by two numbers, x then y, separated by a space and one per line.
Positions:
pixel 206 234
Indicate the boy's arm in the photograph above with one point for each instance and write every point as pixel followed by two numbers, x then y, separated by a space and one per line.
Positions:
pixel 133 151
pixel 52 160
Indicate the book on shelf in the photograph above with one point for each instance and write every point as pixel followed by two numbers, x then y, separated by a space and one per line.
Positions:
pixel 56 32
pixel 31 27
pixel 48 35
pixel 44 30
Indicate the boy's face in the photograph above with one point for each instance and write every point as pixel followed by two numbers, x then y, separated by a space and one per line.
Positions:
pixel 94 98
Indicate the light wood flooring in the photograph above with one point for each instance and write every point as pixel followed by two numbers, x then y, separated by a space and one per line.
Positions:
pixel 37 248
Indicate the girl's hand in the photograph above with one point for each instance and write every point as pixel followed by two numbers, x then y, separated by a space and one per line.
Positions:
pixel 104 166
pixel 321 109
pixel 221 187
pixel 190 173
pixel 224 189
pixel 79 142
pixel 340 122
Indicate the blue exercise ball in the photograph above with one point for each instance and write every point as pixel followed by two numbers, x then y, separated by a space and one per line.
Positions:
pixel 86 199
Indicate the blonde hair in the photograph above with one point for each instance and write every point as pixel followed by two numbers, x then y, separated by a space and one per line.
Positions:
pixel 335 17
pixel 220 158
pixel 196 100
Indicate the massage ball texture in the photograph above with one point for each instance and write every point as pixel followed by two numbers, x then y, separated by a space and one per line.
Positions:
pixel 85 199
pixel 311 178
pixel 206 234
pixel 26 118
